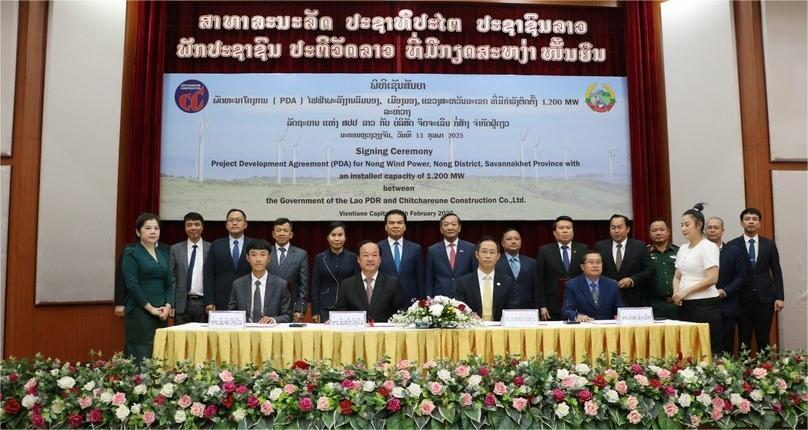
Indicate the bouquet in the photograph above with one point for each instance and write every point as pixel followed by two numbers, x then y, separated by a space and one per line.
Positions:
pixel 437 312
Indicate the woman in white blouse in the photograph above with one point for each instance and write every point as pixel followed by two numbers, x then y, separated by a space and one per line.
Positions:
pixel 696 275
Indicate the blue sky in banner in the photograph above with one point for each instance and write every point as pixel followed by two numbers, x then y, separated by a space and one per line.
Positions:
pixel 250 132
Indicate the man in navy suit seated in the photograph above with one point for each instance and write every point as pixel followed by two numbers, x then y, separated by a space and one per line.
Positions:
pixel 590 296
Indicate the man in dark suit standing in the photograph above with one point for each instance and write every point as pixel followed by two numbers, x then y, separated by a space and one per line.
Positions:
pixel 371 291
pixel 292 264
pixel 487 291
pixel 627 261
pixel 762 294
pixel 261 294
pixel 225 262
pixel 187 265
pixel 732 267
pixel 448 259
pixel 591 296
pixel 520 267
pixel 400 257
pixel 555 263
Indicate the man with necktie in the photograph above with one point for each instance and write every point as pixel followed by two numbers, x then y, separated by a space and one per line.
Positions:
pixel 627 261
pixel 372 291
pixel 292 264
pixel 400 257
pixel 262 295
pixel 591 296
pixel 448 259
pixel 225 262
pixel 555 263
pixel 187 265
pixel 487 291
pixel 520 267
pixel 762 294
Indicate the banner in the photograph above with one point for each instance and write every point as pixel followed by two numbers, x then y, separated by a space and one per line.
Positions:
pixel 320 147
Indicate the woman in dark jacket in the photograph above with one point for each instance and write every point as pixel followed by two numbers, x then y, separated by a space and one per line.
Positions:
pixel 330 268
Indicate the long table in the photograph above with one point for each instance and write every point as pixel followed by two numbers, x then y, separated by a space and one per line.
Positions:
pixel 281 345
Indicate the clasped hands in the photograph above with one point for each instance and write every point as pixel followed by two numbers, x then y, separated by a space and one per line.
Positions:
pixel 162 312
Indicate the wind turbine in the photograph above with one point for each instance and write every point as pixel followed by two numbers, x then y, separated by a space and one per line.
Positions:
pixel 612 153
pixel 536 160
pixel 294 160
pixel 522 152
pixel 565 147
pixel 200 147
pixel 279 149
pixel 328 163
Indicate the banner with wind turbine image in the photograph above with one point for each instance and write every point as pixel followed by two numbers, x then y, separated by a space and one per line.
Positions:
pixel 321 147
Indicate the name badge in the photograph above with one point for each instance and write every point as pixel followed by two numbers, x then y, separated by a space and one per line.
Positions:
pixel 628 316
pixel 348 320
pixel 227 320
pixel 520 317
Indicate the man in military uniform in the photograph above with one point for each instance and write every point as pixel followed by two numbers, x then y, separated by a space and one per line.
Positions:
pixel 663 257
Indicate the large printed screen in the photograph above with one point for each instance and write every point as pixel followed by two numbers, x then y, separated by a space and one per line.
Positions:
pixel 322 147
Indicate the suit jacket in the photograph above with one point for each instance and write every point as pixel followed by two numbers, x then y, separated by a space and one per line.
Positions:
pixel 384 303
pixel 578 299
pixel 439 275
pixel 764 281
pixel 467 290
pixel 732 272
pixel 326 278
pixel 636 264
pixel 551 272
pixel 179 267
pixel 120 283
pixel 295 269
pixel 220 273
pixel 527 284
pixel 411 273
pixel 277 303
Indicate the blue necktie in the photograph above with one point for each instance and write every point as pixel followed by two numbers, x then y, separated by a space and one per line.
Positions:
pixel 236 254
pixel 515 267
pixel 565 257
pixel 595 293
pixel 397 256
pixel 752 256
pixel 191 268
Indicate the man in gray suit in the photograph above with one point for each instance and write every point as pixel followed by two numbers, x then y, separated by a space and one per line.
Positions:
pixel 292 264
pixel 187 262
pixel 262 295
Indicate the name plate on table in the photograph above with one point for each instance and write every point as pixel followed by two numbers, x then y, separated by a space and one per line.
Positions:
pixel 227 320
pixel 628 316
pixel 350 320
pixel 520 317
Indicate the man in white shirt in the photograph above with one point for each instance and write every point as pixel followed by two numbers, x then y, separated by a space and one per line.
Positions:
pixel 187 262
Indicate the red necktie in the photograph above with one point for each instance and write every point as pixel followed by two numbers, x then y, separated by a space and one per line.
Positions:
pixel 452 255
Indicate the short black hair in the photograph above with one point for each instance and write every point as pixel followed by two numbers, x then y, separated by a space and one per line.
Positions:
pixel 236 210
pixel 363 243
pixel 751 211
pixel 145 216
pixel 447 215
pixel 487 238
pixel 193 216
pixel 591 251
pixel 697 214
pixel 395 212
pixel 335 225
pixel 562 218
pixel 625 218
pixel 659 219
pixel 509 229
pixel 258 245
pixel 282 221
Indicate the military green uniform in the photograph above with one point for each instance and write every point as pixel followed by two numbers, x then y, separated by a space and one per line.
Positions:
pixel 661 292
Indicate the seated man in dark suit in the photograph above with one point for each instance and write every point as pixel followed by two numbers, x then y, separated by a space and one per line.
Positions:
pixel 486 291
pixel 262 295
pixel 590 296
pixel 371 291
pixel 521 268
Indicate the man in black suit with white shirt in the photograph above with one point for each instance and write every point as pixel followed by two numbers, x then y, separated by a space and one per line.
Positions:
pixel 371 291
pixel 555 263
pixel 225 263
pixel 487 291
pixel 187 265
pixel 627 261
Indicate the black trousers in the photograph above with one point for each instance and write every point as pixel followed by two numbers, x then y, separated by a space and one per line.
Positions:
pixel 756 319
pixel 705 311
pixel 194 312
pixel 728 324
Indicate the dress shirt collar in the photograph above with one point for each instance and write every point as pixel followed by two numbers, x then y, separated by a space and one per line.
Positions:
pixel 446 243
pixel 614 244
pixel 284 247
pixel 746 239
pixel 373 282
pixel 508 257
pixel 392 242
pixel 240 241
pixel 590 281
pixel 263 279
pixel 198 243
